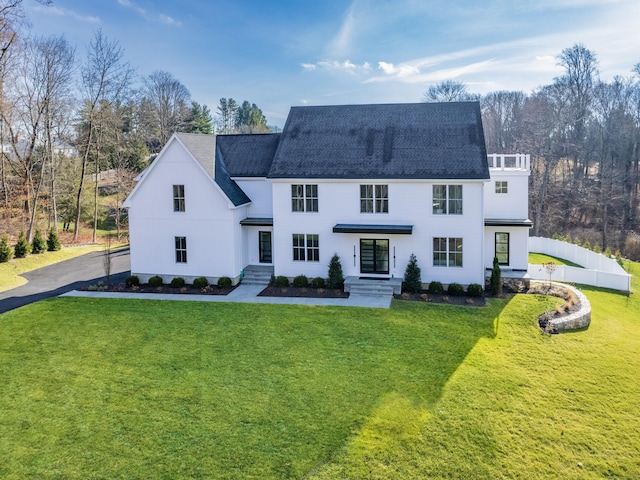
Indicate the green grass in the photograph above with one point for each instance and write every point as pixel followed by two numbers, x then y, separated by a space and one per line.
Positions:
pixel 10 271
pixel 97 388
pixel 540 258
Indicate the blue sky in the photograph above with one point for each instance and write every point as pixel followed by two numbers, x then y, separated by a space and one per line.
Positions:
pixel 315 52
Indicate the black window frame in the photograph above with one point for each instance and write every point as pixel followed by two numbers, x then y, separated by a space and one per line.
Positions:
pixel 181 249
pixel 498 255
pixel 178 198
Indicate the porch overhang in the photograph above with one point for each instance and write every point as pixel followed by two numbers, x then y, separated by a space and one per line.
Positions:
pixel 381 229
pixel 502 222
pixel 257 222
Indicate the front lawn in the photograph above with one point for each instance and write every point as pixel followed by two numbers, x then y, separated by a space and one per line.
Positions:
pixel 96 388
pixel 540 258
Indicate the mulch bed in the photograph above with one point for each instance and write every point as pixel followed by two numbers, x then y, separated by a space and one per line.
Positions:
pixel 186 290
pixel 425 296
pixel 273 291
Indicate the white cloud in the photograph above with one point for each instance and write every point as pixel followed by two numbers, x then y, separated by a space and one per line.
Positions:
pixel 64 12
pixel 150 16
pixel 340 45
pixel 338 66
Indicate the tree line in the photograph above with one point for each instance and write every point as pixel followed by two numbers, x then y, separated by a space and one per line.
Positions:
pixel 67 122
pixel 583 135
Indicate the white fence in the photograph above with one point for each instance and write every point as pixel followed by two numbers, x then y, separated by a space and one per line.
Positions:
pixel 598 270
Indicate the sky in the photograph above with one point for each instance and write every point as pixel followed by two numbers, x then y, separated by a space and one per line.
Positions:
pixel 283 53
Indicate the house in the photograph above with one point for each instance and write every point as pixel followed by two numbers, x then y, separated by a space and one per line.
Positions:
pixel 372 183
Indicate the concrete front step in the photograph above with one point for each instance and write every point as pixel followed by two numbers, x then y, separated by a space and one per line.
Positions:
pixel 372 290
pixel 257 275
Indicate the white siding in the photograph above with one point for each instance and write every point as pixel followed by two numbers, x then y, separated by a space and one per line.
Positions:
pixel 518 251
pixel 207 222
pixel 410 203
pixel 259 191
pixel 511 205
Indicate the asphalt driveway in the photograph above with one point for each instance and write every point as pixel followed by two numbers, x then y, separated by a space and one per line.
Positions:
pixel 65 276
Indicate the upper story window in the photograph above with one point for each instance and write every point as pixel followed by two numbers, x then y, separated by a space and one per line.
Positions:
pixel 178 198
pixel 374 198
pixel 502 187
pixel 447 199
pixel 304 198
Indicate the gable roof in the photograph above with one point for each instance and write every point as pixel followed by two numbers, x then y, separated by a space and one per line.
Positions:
pixel 247 155
pixel 384 141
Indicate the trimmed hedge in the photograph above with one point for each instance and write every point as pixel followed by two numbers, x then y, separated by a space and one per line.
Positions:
pixel 475 290
pixel 224 282
pixel 301 281
pixel 201 282
pixel 155 281
pixel 177 282
pixel 318 282
pixel 455 289
pixel 281 281
pixel 436 288
pixel 132 281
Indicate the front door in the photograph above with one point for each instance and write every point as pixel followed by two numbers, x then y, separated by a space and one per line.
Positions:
pixel 264 242
pixel 374 256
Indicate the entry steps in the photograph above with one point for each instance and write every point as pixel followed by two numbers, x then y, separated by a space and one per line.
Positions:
pixel 257 275
pixel 373 287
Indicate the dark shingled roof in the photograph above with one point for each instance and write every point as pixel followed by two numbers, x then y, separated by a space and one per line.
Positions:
pixel 248 155
pixel 227 185
pixel 418 140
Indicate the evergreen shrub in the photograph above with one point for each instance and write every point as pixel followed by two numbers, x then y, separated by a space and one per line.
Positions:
pixel 155 281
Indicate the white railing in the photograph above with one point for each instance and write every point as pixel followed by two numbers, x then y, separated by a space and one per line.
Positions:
pixel 509 161
pixel 598 270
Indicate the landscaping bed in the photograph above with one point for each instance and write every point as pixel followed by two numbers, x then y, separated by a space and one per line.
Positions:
pixel 167 289
pixel 309 292
pixel 425 296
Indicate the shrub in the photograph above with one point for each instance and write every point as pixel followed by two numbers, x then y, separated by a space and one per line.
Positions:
pixel 22 248
pixel 597 248
pixel 6 252
pixel 496 278
pixel 607 252
pixel 53 242
pixel 336 278
pixel 301 281
pixel 619 258
pixel 412 276
pixel 455 289
pixel 586 245
pixel 317 282
pixel 38 245
pixel 132 281
pixel 177 282
pixel 435 288
pixel 155 281
pixel 281 281
pixel 224 282
pixel 201 282
pixel 475 290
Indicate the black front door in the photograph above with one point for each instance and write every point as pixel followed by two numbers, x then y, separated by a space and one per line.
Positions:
pixel 265 247
pixel 374 256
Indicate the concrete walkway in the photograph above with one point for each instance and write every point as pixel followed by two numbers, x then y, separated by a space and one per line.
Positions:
pixel 246 294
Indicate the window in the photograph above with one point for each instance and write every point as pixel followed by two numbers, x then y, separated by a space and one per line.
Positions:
pixel 306 247
pixel 374 198
pixel 502 187
pixel 447 199
pixel 447 252
pixel 304 198
pixel 181 249
pixel 178 198
pixel 502 248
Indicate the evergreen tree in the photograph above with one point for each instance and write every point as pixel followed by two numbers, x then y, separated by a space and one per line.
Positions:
pixel 38 244
pixel 53 243
pixel 496 278
pixel 412 276
pixel 336 278
pixel 6 253
pixel 22 247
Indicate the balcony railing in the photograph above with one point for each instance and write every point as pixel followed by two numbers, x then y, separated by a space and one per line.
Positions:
pixel 509 161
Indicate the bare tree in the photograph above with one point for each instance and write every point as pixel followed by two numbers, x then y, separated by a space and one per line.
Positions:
pixel 169 102
pixel 105 80
pixel 449 91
